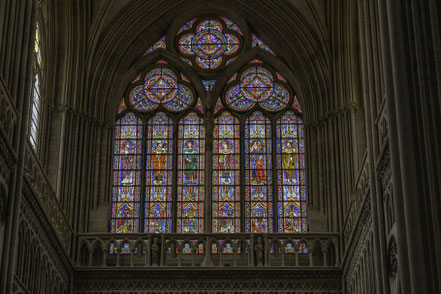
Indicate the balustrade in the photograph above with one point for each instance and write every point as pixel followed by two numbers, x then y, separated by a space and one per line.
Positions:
pixel 207 250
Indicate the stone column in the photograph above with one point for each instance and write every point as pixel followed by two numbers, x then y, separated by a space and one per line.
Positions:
pixel 411 46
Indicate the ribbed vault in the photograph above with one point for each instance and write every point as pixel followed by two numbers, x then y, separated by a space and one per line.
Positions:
pixel 139 24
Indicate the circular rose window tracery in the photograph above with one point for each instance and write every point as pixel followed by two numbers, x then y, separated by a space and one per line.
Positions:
pixel 161 87
pixel 209 43
pixel 257 85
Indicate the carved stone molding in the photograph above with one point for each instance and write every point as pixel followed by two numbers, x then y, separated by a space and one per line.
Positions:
pixel 384 173
pixel 382 126
pixel 392 256
pixel 43 226
pixel 359 236
pixel 80 114
pixel 3 204
pixel 8 112
pixel 202 281
pixel 39 251
pixel 333 114
pixel 44 192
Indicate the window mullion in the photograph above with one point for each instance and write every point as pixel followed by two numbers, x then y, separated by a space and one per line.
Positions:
pixel 274 174
pixel 175 176
pixel 208 198
pixel 242 174
pixel 143 194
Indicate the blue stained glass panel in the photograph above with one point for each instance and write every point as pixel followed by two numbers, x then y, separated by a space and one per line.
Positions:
pixel 126 179
pixel 226 180
pixel 258 174
pixel 291 174
pixel 191 164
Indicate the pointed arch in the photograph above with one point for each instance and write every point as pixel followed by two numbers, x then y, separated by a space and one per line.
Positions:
pixel 226 175
pixel 291 174
pixel 126 174
pixel 258 174
pixel 191 166
pixel 159 174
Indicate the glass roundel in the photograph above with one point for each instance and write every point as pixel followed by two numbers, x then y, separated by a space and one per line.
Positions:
pixel 257 85
pixel 209 43
pixel 161 87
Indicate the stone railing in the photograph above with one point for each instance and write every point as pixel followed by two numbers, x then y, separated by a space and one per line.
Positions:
pixel 356 203
pixel 308 250
pixel 46 196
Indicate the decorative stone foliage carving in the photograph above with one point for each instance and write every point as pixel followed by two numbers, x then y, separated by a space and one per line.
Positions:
pixel 392 255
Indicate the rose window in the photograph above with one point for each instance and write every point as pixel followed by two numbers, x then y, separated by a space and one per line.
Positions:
pixel 209 43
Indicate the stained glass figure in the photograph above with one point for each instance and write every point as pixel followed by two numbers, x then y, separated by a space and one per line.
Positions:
pixel 258 175
pixel 161 87
pixel 226 179
pixel 191 152
pixel 257 85
pixel 209 43
pixel 209 85
pixel 258 43
pixel 126 174
pixel 160 44
pixel 218 106
pixel 291 175
pixel 122 106
pixel 159 174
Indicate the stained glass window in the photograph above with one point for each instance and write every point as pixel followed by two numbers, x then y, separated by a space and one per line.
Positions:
pixel 159 152
pixel 159 174
pixel 126 174
pixel 257 85
pixel 160 44
pixel 291 174
pixel 191 146
pixel 209 43
pixel 218 106
pixel 209 85
pixel 122 106
pixel 258 43
pixel 258 175
pixel 226 181
pixel 296 105
pixel 161 87
pixel 36 95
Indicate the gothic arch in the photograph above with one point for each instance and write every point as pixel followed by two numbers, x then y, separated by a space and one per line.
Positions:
pixel 126 47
